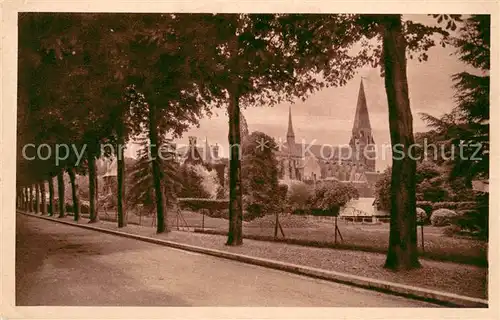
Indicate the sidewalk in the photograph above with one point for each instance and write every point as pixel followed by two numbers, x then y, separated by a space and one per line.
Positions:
pixel 448 277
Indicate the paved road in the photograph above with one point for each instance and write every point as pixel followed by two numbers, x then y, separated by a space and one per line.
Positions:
pixel 63 265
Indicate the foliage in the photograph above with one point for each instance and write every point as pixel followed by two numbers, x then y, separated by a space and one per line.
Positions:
pixel 209 180
pixel 430 206
pixel 324 199
pixel 467 126
pixel 473 219
pixel 442 217
pixel 140 179
pixel 196 204
pixel 259 176
pixel 330 196
pixel 383 191
pixel 299 196
pixel 282 195
pixel 191 183
pixel 421 216
pixel 433 185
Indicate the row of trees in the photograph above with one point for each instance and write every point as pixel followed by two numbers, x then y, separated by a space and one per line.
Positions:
pixel 90 79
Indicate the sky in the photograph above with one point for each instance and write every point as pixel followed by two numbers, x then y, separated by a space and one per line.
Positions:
pixel 327 116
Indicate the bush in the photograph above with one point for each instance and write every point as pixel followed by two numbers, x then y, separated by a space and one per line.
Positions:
pixel 421 216
pixel 430 206
pixel 442 217
pixel 196 204
pixel 432 186
pixel 221 213
pixel 84 206
pixel 299 196
pixel 215 208
pixel 330 196
pixel 451 230
pixel 427 206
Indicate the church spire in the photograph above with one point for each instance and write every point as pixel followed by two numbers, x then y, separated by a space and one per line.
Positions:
pixel 362 132
pixel 361 119
pixel 290 136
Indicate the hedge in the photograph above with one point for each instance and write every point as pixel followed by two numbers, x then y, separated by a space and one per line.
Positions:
pixel 442 217
pixel 318 212
pixel 430 206
pixel 196 204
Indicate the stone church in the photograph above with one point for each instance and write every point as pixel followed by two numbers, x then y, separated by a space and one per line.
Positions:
pixel 353 162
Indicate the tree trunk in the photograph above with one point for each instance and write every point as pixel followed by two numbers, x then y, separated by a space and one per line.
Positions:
pixel 157 174
pixel 402 252
pixel 165 220
pixel 60 192
pixel 37 198
pixel 74 193
pixel 44 199
pixel 92 190
pixel 24 202
pixel 51 196
pixel 20 199
pixel 235 234
pixel 25 199
pixel 96 188
pixel 120 179
pixel 30 198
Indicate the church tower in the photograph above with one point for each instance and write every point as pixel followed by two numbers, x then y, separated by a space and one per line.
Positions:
pixel 361 135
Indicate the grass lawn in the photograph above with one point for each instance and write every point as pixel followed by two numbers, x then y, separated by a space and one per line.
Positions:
pixel 301 230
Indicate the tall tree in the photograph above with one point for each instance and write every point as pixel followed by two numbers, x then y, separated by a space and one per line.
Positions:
pixel 165 70
pixel 262 60
pixel 260 175
pixel 397 37
pixel 60 191
pixel 467 126
pixel 37 198
pixel 51 196
pixel 120 159
pixel 31 197
pixel 44 198
pixel 74 193
pixel 402 251
pixel 142 188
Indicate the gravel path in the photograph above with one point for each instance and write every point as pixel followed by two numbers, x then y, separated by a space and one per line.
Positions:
pixel 444 276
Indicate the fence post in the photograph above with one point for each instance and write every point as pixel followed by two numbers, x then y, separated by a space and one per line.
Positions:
pixel 276 226
pixel 203 220
pixel 422 235
pixel 335 230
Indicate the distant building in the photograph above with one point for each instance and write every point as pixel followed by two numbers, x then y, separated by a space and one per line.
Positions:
pixel 354 162
pixel 206 155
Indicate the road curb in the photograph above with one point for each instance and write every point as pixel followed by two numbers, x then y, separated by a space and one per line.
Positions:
pixel 438 297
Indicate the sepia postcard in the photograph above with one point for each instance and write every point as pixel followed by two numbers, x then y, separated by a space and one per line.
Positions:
pixel 249 159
